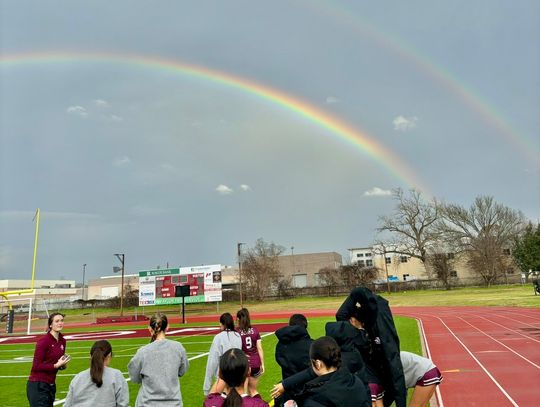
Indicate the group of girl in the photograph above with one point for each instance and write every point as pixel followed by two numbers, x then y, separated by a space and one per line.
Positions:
pixel 245 337
pixel 156 366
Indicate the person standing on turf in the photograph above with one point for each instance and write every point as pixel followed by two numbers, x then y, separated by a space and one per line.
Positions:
pixel 252 347
pixel 100 385
pixel 157 367
pixel 49 357
pixel 228 338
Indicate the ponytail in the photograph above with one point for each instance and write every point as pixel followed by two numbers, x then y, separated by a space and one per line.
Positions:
pixel 244 322
pixel 158 323
pixel 233 399
pixel 100 350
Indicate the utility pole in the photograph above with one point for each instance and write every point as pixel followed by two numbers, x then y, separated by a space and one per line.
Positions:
pixel 121 258
pixel 239 249
pixel 83 273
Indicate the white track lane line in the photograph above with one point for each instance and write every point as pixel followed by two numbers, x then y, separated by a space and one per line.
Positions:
pixel 510 329
pixel 522 315
pixel 521 322
pixel 424 338
pixel 502 344
pixel 60 402
pixel 480 364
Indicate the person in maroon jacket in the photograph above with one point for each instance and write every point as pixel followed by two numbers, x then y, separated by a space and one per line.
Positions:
pixel 49 357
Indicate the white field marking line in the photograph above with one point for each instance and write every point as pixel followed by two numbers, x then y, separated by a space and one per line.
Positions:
pixel 520 322
pixel 424 338
pixel 510 329
pixel 502 344
pixel 480 364
pixel 59 402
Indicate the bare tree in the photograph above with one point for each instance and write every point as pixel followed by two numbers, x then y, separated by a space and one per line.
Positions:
pixel 354 275
pixel 485 232
pixel 260 268
pixel 411 225
pixel 330 278
pixel 441 266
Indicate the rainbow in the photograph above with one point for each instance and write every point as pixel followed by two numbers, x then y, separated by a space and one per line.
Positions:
pixel 335 127
pixel 528 146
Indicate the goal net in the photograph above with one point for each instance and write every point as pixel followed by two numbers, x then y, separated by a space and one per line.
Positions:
pixel 29 315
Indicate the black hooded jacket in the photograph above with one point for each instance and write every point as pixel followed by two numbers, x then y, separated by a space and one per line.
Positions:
pixel 292 349
pixel 373 311
pixel 336 389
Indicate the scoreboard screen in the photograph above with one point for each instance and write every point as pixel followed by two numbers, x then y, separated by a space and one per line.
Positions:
pixel 157 287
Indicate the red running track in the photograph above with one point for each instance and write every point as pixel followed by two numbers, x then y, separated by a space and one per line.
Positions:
pixel 489 356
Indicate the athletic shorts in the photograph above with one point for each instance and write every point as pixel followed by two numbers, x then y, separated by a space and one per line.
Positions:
pixel 256 371
pixel 376 390
pixel 431 377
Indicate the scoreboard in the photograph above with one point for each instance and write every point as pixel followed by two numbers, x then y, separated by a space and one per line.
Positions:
pixel 157 287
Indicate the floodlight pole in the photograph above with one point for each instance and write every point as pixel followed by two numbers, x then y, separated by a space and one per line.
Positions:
pixel 121 257
pixel 83 273
pixel 239 248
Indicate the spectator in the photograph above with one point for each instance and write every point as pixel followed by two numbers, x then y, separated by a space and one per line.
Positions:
pixel 49 357
pixel 228 338
pixel 100 385
pixel 233 371
pixel 252 347
pixel 157 367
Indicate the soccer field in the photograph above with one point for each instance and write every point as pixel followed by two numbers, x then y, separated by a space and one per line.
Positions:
pixel 16 360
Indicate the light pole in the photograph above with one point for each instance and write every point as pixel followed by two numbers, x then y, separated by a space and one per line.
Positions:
pixel 83 272
pixel 239 248
pixel 121 258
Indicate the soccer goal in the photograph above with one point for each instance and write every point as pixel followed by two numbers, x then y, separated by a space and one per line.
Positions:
pixel 29 315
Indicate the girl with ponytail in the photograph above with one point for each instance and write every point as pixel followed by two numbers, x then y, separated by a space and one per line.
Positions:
pixel 157 367
pixel 100 385
pixel 228 338
pixel 233 372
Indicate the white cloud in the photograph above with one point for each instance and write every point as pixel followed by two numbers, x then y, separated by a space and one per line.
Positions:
pixel 245 187
pixel 376 191
pixel 224 189
pixel 121 161
pixel 402 123
pixel 102 103
pixel 77 110
pixel 330 100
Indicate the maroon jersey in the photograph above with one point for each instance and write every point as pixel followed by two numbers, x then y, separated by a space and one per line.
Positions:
pixel 48 351
pixel 249 346
pixel 217 400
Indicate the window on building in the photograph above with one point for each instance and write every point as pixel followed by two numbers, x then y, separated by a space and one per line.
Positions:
pixel 299 280
pixel 369 263
pixel 359 254
pixel 362 263
pixel 368 254
pixel 405 276
pixel 450 255
pixel 453 273
pixel 403 259
pixel 388 260
pixel 506 252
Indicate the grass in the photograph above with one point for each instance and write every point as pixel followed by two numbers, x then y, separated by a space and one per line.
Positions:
pixel 14 387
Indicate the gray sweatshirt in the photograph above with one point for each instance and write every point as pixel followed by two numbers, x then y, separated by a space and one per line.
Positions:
pixel 83 392
pixel 222 342
pixel 414 367
pixel 157 367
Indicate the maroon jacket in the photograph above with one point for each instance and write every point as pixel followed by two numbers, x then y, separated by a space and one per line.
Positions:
pixel 48 351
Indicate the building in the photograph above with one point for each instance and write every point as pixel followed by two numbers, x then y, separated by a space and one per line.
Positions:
pixel 303 269
pixel 111 286
pixel 50 289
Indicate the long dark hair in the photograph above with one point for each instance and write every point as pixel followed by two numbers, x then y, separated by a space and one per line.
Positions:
pixel 233 370
pixel 326 350
pixel 244 322
pixel 227 321
pixel 100 350
pixel 158 323
pixel 51 318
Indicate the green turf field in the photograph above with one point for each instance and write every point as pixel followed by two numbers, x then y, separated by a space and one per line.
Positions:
pixel 16 361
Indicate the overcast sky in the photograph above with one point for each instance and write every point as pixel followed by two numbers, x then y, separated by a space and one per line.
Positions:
pixel 167 167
